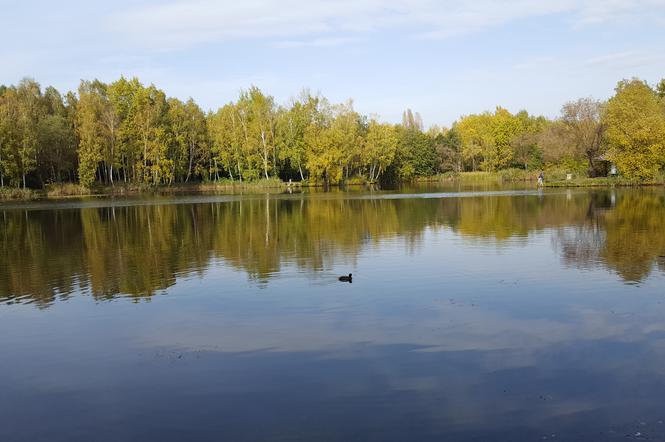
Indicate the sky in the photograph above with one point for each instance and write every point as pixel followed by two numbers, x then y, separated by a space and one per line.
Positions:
pixel 441 58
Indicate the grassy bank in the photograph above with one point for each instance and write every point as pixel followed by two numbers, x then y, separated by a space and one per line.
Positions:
pixel 508 175
pixel 553 178
pixel 604 182
pixel 69 190
pixel 224 185
pixel 14 194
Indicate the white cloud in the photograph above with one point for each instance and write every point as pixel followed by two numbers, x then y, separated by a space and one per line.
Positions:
pixel 185 23
pixel 316 42
pixel 538 63
pixel 607 11
pixel 627 59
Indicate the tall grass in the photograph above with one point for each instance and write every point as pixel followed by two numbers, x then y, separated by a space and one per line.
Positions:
pixel 14 194
pixel 65 189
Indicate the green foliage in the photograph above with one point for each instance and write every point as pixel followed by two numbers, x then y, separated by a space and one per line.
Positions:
pixel 129 133
pixel 292 124
pixel 89 130
pixel 333 143
pixel 379 149
pixel 415 155
pixel 448 147
pixel 582 121
pixel 660 88
pixel 635 119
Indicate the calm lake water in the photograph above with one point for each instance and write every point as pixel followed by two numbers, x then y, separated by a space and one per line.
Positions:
pixel 511 315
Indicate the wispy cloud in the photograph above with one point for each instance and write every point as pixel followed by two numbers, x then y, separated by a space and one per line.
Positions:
pixel 537 63
pixel 315 42
pixel 627 59
pixel 184 23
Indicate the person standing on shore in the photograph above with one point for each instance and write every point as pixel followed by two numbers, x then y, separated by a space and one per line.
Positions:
pixel 541 179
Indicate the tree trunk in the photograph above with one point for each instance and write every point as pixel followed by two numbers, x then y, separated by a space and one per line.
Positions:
pixel 112 154
pixel 592 168
pixel 265 154
pixel 191 155
pixel 145 157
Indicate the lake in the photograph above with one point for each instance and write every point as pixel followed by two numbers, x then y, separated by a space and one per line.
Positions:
pixel 474 314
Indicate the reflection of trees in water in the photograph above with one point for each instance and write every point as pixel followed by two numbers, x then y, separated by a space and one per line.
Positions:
pixel 623 232
pixel 580 243
pixel 138 250
pixel 635 235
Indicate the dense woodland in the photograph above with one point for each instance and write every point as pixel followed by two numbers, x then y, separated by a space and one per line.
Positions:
pixel 129 133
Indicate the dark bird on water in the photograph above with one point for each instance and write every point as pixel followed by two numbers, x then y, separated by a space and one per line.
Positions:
pixel 346 278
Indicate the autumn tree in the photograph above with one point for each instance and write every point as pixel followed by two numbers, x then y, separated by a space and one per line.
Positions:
pixel 449 148
pixel 57 140
pixel 89 130
pixel 583 120
pixel 331 140
pixel 188 136
pixel 475 132
pixel 227 139
pixel 29 114
pixel 379 149
pixel 291 125
pixel 635 120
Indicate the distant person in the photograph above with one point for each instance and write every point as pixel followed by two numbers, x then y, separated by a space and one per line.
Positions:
pixel 541 179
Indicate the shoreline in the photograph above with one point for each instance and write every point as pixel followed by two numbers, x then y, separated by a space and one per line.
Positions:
pixel 69 190
pixel 510 177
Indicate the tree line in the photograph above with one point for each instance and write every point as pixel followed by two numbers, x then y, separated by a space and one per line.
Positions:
pixel 126 132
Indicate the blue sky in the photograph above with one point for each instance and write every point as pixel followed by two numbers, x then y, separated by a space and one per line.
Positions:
pixel 441 58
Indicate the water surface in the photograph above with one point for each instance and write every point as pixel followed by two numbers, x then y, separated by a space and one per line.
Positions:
pixel 479 315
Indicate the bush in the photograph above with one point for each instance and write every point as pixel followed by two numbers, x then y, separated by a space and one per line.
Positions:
pixel 518 175
pixel 13 193
pixel 66 189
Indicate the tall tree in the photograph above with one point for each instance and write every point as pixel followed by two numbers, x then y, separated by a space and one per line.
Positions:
pixel 57 142
pixel 260 121
pixel 188 131
pixel 6 131
pixel 147 114
pixel 332 141
pixel 635 120
pixel 475 131
pixel 31 111
pixel 227 136
pixel 449 147
pixel 379 149
pixel 292 124
pixel 90 130
pixel 583 119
